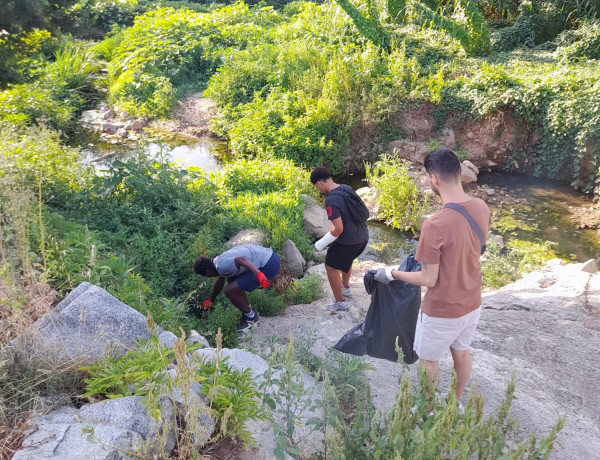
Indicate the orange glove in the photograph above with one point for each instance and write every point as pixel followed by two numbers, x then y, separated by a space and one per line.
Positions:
pixel 262 279
pixel 206 304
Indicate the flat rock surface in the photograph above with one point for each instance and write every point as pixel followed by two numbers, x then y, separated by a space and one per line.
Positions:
pixel 544 329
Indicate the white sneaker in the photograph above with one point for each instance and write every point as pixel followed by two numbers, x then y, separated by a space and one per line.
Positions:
pixel 346 291
pixel 338 306
pixel 461 410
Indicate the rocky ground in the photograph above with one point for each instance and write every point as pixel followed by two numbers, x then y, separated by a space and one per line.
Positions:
pixel 544 329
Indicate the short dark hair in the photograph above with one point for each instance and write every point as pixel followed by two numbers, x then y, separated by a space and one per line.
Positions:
pixel 204 265
pixel 444 164
pixel 319 173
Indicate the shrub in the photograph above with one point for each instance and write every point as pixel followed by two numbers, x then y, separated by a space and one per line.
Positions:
pixel 398 199
pixel 411 429
pixel 501 266
pixel 302 291
pixel 265 192
pixel 583 42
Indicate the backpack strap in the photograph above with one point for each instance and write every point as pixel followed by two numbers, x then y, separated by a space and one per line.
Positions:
pixel 474 225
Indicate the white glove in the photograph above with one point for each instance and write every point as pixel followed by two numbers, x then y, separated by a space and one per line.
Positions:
pixel 384 275
pixel 325 241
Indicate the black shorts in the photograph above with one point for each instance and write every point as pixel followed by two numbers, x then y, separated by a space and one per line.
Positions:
pixel 341 256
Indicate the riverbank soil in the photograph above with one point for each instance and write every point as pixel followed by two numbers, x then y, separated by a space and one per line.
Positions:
pixel 544 329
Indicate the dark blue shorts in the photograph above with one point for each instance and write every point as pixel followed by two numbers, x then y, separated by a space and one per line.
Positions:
pixel 249 282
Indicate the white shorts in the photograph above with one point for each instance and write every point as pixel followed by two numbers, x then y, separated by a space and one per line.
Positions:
pixel 434 336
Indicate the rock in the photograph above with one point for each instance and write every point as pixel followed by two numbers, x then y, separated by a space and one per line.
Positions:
pixel 408 150
pixel 109 128
pixel 292 259
pixel 495 239
pixel 315 218
pixel 128 127
pixel 89 117
pixel 109 115
pixel 490 191
pixel 590 266
pixel 470 135
pixel 319 270
pixel 122 132
pixel 310 263
pixel 248 236
pixel 138 124
pixel 467 175
pixel 83 326
pixel 429 192
pixel 123 115
pixel 448 138
pixel 471 166
pixel 194 338
pixel 119 426
pixel 167 339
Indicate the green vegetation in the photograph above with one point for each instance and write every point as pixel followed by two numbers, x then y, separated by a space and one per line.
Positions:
pixel 421 423
pixel 297 85
pixel 501 266
pixel 398 199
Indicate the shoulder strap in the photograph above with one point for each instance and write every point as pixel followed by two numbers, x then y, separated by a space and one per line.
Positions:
pixel 474 225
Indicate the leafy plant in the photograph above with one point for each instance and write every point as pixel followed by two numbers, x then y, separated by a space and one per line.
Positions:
pixel 398 199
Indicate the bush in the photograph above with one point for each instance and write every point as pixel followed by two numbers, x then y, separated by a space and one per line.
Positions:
pixel 398 200
pixel 265 193
pixel 152 213
pixel 581 43
pixel 501 266
pixel 302 291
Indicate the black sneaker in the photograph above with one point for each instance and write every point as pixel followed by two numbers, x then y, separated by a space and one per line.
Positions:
pixel 246 322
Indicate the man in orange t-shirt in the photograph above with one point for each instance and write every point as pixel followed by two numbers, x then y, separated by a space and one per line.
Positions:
pixel 449 251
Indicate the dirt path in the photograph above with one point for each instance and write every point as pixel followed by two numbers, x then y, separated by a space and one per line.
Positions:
pixel 190 117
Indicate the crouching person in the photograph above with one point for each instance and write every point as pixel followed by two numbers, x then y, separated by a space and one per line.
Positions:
pixel 245 268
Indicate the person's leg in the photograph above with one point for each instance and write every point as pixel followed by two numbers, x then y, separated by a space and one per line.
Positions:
pixel 462 367
pixel 335 281
pixel 237 296
pixel 346 278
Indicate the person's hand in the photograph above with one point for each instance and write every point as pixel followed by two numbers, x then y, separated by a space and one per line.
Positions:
pixel 206 304
pixel 325 241
pixel 262 279
pixel 384 275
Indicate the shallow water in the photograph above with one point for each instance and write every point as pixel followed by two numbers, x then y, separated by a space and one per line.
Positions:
pixel 540 211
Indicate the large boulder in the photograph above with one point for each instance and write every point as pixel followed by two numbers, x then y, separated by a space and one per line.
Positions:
pixel 292 259
pixel 115 428
pixel 247 236
pixel 83 327
pixel 545 330
pixel 316 222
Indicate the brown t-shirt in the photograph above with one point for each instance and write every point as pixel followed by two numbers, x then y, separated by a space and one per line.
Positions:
pixel 447 239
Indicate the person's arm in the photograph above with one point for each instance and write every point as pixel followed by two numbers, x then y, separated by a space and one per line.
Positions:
pixel 428 275
pixel 337 227
pixel 218 287
pixel 243 261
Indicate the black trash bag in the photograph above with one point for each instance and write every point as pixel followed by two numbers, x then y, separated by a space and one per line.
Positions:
pixel 393 313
